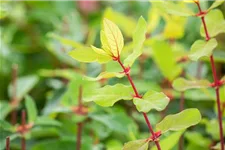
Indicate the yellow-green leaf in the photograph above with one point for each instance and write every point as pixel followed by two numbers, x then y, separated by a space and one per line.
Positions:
pixel 126 23
pixel 153 18
pixel 190 1
pixel 181 84
pixel 151 100
pixel 31 109
pixel 216 4
pixel 136 145
pixel 177 8
pixel 179 121
pixel 87 54
pixel 215 23
pixel 165 59
pixel 65 41
pixel 108 95
pixel 202 48
pixel 106 75
pixel 138 40
pixel 113 36
pixel 170 141
pixel 175 27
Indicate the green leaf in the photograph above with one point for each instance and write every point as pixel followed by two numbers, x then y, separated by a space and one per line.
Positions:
pixel 165 59
pixel 87 55
pixel 179 9
pixel 5 125
pixel 136 145
pixel 113 36
pixel 138 40
pixel 45 121
pixel 65 41
pixel 153 18
pixel 181 84
pixel 5 109
pixel 151 100
pixel 31 109
pixel 216 4
pixel 26 82
pixel 197 139
pixel 215 23
pixel 175 27
pixel 170 141
pixel 63 73
pixel 105 75
pixel 108 95
pixel 212 128
pixel 126 23
pixel 179 121
pixel 202 48
pixel 114 144
pixel 62 144
pixel 117 121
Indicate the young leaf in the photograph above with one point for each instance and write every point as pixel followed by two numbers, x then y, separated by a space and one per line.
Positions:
pixel 87 55
pixel 125 22
pixel 108 95
pixel 136 145
pixel 26 82
pixel 105 75
pixel 31 109
pixel 179 9
pixel 215 23
pixel 216 4
pixel 113 36
pixel 165 59
pixel 180 121
pixel 151 100
pixel 182 84
pixel 202 48
pixel 138 40
pixel 170 141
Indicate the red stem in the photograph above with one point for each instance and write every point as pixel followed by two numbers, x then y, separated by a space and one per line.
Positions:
pixel 137 95
pixel 7 143
pixel 79 135
pixel 14 98
pixel 216 81
pixel 80 124
pixel 23 121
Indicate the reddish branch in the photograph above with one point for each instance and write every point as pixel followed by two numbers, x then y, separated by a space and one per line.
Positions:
pixel 23 120
pixel 127 72
pixel 80 124
pixel 7 144
pixel 14 97
pixel 216 81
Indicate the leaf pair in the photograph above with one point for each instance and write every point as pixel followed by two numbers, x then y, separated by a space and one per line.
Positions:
pixel 109 95
pixel 177 122
pixel 112 44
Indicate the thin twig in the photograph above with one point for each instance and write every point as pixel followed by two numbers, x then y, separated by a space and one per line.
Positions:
pixel 216 81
